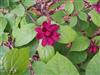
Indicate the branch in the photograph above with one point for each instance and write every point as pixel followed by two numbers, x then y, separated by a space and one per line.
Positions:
pixel 2 10
pixel 28 14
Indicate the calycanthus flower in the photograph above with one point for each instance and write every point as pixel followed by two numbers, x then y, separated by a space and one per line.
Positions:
pixel 93 47
pixel 47 32
pixel 97 7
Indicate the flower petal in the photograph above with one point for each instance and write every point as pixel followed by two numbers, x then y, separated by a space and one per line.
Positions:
pixel 97 7
pixel 39 36
pixel 47 33
pixel 94 49
pixel 38 29
pixel 55 36
pixel 45 24
pixel 44 42
pixel 50 41
pixel 54 27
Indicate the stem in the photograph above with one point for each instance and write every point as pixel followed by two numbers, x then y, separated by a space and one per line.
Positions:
pixel 28 14
pixel 30 68
pixel 32 18
pixel 2 10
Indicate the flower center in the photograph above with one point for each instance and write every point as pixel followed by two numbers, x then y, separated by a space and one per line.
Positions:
pixel 47 33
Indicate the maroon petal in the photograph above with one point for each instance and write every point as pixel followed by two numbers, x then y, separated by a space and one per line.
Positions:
pixel 47 33
pixel 38 29
pixel 94 50
pixel 39 36
pixel 45 24
pixel 44 42
pixel 90 49
pixel 56 36
pixel 54 27
pixel 94 5
pixel 50 41
pixel 35 57
pixel 98 9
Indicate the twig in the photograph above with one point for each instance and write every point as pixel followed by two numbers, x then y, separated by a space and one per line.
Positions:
pixel 28 14
pixel 3 10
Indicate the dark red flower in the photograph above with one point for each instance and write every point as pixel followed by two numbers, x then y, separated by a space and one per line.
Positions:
pixel 93 47
pixel 97 7
pixel 9 43
pixel 35 57
pixel 48 33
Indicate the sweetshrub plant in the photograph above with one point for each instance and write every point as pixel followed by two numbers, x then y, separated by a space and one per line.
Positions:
pixel 49 37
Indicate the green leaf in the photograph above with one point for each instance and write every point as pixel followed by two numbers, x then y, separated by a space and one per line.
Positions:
pixel 78 4
pixel 58 17
pixel 67 34
pixel 69 7
pixel 55 5
pixel 61 48
pixel 24 21
pixel 90 30
pixel 84 25
pixel 17 21
pixel 39 67
pixel 77 57
pixel 19 10
pixel 24 35
pixel 93 68
pixel 14 0
pixel 3 23
pixel 29 3
pixel 45 53
pixel 73 21
pixel 33 15
pixel 4 3
pixel 1 14
pixel 33 47
pixel 27 72
pixel 41 19
pixel 60 65
pixel 95 17
pixel 97 39
pixel 93 1
pixel 3 73
pixel 3 37
pixel 83 16
pixel 3 51
pixel 16 61
pixel 11 19
pixel 81 43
